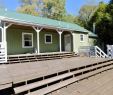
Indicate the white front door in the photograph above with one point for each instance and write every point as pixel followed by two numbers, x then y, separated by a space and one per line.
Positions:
pixel 67 42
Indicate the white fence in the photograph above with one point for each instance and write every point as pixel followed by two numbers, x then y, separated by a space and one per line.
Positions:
pixel 110 51
pixel 92 51
pixel 3 52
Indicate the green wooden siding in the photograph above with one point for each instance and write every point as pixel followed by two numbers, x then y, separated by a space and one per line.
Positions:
pixel 54 47
pixel 77 43
pixel 92 41
pixel 14 41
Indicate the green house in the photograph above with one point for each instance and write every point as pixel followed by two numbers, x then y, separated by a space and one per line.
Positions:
pixel 24 34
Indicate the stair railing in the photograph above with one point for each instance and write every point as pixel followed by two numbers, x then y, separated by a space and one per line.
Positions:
pixel 3 52
pixel 100 53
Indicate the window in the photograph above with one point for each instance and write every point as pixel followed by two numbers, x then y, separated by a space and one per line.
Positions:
pixel 48 38
pixel 27 40
pixel 81 37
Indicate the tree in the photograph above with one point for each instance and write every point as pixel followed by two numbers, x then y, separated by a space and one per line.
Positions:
pixel 54 9
pixel 85 14
pixel 104 22
pixel 28 9
pixel 32 7
pixel 68 18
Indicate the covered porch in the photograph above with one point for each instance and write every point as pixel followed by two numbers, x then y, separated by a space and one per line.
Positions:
pixel 24 39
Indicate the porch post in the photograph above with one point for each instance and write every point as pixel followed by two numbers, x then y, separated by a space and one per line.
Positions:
pixel 60 39
pixel 38 29
pixel 73 39
pixel 4 39
pixel 2 34
pixel 5 27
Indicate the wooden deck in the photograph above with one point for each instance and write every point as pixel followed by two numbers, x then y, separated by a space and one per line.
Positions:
pixel 26 77
pixel 101 84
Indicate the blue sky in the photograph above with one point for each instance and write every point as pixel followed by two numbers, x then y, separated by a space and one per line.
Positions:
pixel 72 6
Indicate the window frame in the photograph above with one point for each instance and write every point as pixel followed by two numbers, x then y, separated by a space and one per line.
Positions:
pixel 23 41
pixel 51 39
pixel 82 38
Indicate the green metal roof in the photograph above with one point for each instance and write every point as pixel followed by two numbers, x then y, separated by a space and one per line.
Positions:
pixel 92 34
pixel 43 21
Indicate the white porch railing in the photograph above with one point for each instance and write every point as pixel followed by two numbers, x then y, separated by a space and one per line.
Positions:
pixel 100 53
pixel 92 51
pixel 110 51
pixel 3 52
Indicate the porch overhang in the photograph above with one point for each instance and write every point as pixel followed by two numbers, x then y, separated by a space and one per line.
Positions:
pixel 25 23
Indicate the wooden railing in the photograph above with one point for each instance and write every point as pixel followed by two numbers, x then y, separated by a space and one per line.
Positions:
pixel 3 52
pixel 92 51
pixel 100 53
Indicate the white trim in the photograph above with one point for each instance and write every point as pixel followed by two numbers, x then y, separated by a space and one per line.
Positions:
pixel 23 40
pixel 82 36
pixel 60 38
pixel 38 30
pixel 45 38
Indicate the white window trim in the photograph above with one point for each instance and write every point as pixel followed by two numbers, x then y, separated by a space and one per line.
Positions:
pixel 23 40
pixel 83 37
pixel 51 39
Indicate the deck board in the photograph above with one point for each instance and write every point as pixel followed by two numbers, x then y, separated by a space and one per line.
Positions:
pixel 31 70
pixel 101 84
pixel 21 72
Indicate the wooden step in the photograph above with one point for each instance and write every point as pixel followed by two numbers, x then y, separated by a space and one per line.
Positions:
pixel 53 87
pixel 4 86
pixel 14 61
pixel 95 72
pixel 35 75
pixel 67 82
pixel 92 67
pixel 40 57
pixel 40 83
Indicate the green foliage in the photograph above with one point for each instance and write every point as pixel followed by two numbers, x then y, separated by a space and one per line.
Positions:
pixel 85 14
pixel 32 7
pixel 54 9
pixel 69 18
pixel 104 22
pixel 28 9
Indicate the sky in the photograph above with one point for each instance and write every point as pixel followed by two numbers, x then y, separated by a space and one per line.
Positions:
pixel 72 6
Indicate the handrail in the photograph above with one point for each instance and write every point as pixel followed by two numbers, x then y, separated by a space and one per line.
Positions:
pixel 3 52
pixel 100 53
pixel 92 51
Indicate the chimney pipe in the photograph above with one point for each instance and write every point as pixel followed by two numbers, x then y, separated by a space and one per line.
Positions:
pixel 94 26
